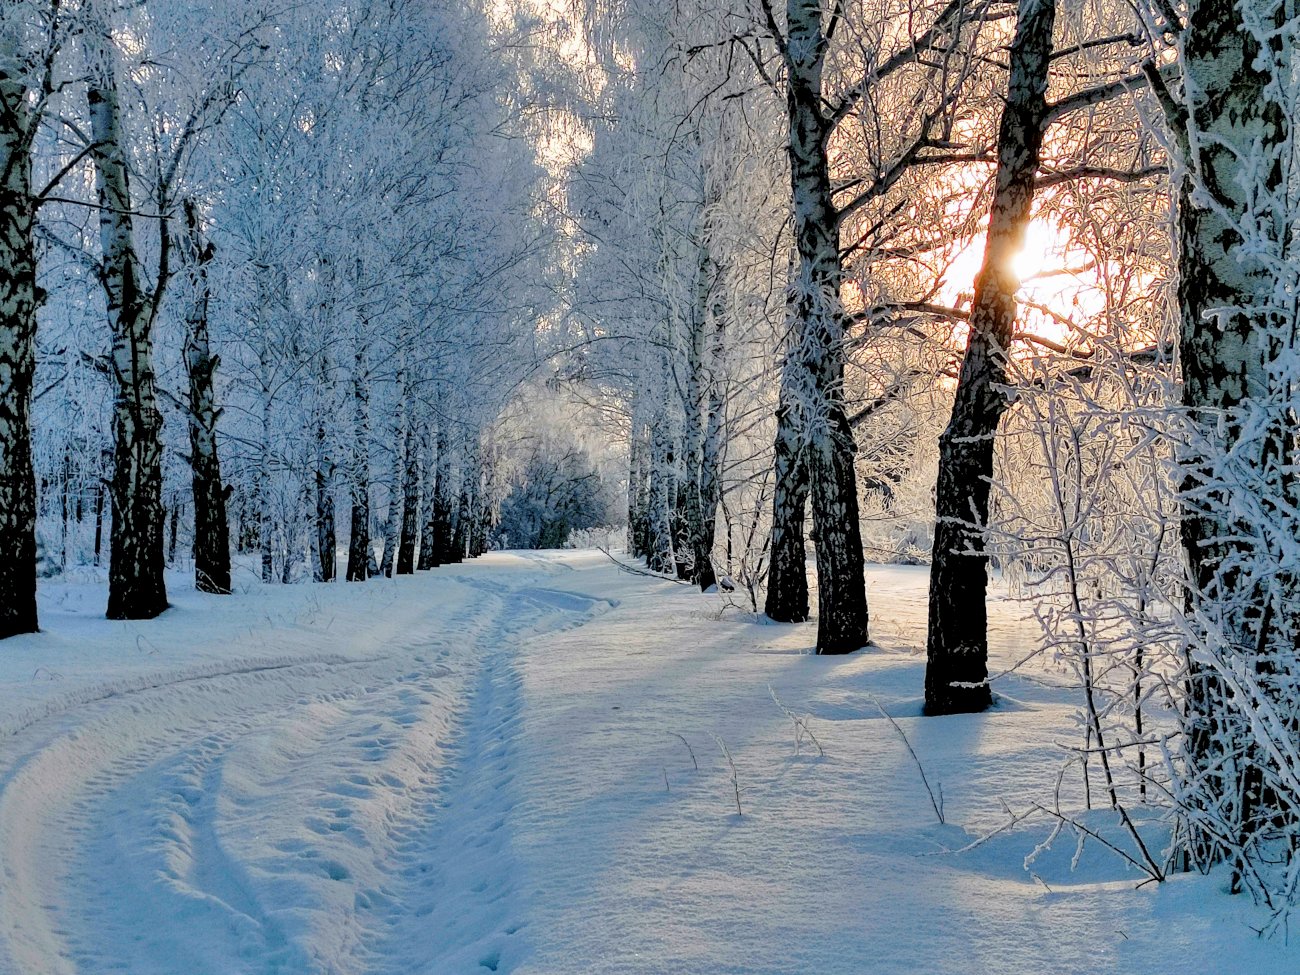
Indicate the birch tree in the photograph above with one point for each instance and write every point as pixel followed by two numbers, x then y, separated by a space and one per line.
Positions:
pixel 19 297
pixel 135 589
pixel 211 528
pixel 1232 125
pixel 957 648
pixel 957 642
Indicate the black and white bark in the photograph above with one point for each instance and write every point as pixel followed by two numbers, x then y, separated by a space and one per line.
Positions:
pixel 787 573
pixel 638 474
pixel 266 460
pixel 428 557
pixel 710 476
pixel 464 524
pixel 392 525
pixel 818 324
pixel 397 443
pixel 18 304
pixel 699 504
pixel 136 589
pixel 478 543
pixel 1237 344
pixel 957 641
pixel 325 541
pixel 443 504
pixel 359 550
pixel 660 494
pixel 211 529
pixel 410 501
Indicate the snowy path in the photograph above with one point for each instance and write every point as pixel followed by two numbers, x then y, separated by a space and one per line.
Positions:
pixel 309 816
pixel 478 770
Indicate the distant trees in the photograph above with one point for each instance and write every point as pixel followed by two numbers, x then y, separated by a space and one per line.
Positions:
pixel 674 306
pixel 293 252
pixel 556 492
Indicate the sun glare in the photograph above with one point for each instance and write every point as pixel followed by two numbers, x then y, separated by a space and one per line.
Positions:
pixel 1044 250
pixel 1057 285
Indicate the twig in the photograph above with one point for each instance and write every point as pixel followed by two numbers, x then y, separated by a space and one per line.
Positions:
pixel 688 748
pixel 801 725
pixel 735 778
pixel 1150 868
pixel 642 572
pixel 937 804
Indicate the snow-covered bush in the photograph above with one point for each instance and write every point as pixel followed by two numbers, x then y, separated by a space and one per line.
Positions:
pixel 556 491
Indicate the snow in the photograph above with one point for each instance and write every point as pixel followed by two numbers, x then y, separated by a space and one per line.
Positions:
pixel 477 769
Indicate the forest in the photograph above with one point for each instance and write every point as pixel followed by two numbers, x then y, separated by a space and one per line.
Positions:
pixel 761 307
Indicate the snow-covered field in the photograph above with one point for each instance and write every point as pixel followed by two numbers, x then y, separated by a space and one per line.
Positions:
pixel 479 769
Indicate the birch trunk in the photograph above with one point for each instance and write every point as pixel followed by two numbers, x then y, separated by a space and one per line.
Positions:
pixel 842 622
pixel 211 528
pixel 266 512
pixel 697 543
pixel 393 520
pixel 659 533
pixel 428 547
pixel 460 543
pixel 135 568
pixel 787 571
pixel 442 500
pixel 18 302
pixel 410 504
pixel 638 461
pixel 710 479
pixel 478 543
pixel 326 541
pixel 359 535
pixel 957 645
pixel 1232 333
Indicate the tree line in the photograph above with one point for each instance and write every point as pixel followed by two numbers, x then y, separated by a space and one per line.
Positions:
pixel 267 278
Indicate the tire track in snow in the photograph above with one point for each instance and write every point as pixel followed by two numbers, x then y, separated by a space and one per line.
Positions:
pixel 462 885
pixel 281 816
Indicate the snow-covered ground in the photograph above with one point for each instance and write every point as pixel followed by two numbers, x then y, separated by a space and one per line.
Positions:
pixel 492 767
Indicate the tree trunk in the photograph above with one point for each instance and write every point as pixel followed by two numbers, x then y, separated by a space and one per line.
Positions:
pixel 659 548
pixel 638 451
pixel 1234 337
pixel 957 646
pixel 463 520
pixel 173 530
pixel 699 520
pixel 842 623
pixel 99 521
pixel 326 542
pixel 18 302
pixel 266 514
pixel 442 500
pixel 392 529
pixel 787 570
pixel 710 481
pixel 359 535
pixel 428 545
pixel 211 529
pixel 135 563
pixel 410 504
pixel 478 543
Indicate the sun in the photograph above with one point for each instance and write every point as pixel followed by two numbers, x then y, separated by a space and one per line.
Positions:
pixel 1058 282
